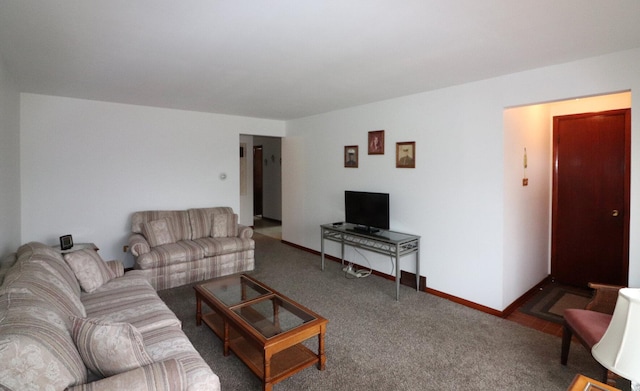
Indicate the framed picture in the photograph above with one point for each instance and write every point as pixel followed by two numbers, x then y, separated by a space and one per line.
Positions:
pixel 406 155
pixel 351 156
pixel 376 142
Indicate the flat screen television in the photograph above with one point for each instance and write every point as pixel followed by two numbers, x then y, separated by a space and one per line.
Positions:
pixel 369 212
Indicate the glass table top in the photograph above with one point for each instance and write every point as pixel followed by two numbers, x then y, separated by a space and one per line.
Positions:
pixel 384 235
pixel 267 312
pixel 234 289
pixel 272 316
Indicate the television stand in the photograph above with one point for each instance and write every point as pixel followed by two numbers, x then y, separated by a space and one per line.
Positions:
pixel 389 243
pixel 364 230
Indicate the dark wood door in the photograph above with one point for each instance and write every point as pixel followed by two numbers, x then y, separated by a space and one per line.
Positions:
pixel 590 221
pixel 257 180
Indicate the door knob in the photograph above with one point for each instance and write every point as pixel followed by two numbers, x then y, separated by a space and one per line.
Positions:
pixel 615 213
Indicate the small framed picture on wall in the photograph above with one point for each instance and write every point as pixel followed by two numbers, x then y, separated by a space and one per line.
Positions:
pixel 351 156
pixel 406 154
pixel 376 142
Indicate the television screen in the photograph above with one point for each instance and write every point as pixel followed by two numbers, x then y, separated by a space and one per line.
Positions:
pixel 368 210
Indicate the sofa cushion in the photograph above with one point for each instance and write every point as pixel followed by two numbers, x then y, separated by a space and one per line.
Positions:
pixel 90 270
pixel 179 219
pixel 220 246
pixel 46 255
pixel 158 232
pixel 28 249
pixel 116 267
pixel 36 349
pixel 109 348
pixel 130 299
pixel 172 343
pixel 168 375
pixel 201 220
pixel 42 279
pixel 178 274
pixel 182 251
pixel 32 364
pixel 224 225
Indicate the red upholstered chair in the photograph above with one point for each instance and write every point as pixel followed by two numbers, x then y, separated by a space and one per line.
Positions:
pixel 588 325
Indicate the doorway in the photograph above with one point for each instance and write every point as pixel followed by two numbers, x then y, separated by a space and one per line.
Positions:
pixel 257 180
pixel 528 131
pixel 591 186
pixel 267 192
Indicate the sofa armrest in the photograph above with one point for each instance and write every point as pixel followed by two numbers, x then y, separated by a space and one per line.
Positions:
pixel 245 232
pixel 117 267
pixel 138 245
pixel 168 375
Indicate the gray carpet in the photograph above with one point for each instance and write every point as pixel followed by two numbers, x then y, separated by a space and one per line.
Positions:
pixel 374 342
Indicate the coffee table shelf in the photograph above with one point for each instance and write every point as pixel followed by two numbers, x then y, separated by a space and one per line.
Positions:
pixel 264 328
pixel 283 364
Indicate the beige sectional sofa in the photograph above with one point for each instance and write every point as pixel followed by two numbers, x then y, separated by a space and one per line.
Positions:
pixel 177 247
pixel 75 322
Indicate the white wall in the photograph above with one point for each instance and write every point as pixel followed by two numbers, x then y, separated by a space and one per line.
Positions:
pixel 246 199
pixel 9 164
pixel 455 197
pixel 87 165
pixel 526 208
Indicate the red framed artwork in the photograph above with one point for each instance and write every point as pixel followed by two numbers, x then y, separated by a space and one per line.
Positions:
pixel 376 142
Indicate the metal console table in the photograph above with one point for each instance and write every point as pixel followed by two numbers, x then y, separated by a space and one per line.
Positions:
pixel 391 243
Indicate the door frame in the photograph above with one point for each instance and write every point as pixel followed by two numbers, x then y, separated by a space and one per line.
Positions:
pixel 627 189
pixel 258 191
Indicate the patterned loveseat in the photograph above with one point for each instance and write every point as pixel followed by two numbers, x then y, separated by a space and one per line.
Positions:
pixel 177 247
pixel 79 323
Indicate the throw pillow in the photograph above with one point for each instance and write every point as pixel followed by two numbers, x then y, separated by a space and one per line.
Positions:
pixel 89 268
pixel 224 225
pixel 158 232
pixel 109 348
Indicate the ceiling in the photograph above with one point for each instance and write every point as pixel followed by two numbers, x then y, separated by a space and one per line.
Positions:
pixel 285 59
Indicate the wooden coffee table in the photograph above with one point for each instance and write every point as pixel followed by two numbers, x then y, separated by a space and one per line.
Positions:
pixel 264 328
